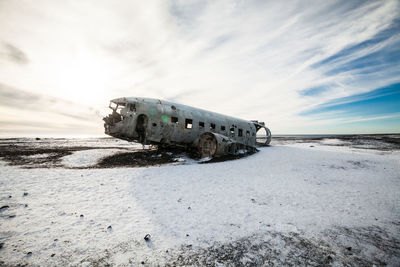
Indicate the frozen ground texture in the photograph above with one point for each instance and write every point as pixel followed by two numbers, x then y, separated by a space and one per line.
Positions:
pixel 293 203
pixel 87 158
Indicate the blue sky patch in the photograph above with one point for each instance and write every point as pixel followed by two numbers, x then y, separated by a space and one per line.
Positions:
pixel 315 91
pixel 382 101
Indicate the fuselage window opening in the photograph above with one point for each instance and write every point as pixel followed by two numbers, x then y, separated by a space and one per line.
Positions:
pixel 174 120
pixel 240 132
pixel 119 108
pixel 247 133
pixel 201 124
pixel 222 128
pixel 113 106
pixel 232 130
pixel 212 126
pixel 188 123
pixel 132 107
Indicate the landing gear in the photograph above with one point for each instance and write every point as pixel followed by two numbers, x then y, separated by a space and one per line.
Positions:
pixel 207 145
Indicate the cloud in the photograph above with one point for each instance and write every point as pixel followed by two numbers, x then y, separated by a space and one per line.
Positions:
pixel 13 97
pixel 24 110
pixel 17 98
pixel 13 53
pixel 268 60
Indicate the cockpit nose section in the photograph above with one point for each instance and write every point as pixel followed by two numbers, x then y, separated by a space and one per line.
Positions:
pixel 113 122
pixel 124 122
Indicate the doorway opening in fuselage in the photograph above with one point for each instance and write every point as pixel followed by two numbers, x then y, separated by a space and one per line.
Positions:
pixel 141 127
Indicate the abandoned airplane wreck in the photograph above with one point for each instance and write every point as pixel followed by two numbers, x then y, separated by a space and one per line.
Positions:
pixel 162 123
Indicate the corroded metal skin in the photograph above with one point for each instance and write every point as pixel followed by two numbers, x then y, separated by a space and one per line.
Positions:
pixel 158 122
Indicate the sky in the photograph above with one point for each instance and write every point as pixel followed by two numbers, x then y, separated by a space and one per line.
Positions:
pixel 302 67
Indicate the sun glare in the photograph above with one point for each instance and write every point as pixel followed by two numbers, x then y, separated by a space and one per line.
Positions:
pixel 84 79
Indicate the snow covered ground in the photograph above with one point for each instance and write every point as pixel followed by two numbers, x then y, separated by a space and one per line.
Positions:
pixel 299 204
pixel 87 158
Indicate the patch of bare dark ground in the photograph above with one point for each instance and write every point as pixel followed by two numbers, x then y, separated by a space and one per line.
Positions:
pixel 30 156
pixel 363 246
pixel 137 159
pixel 20 156
pixel 44 155
pixel 48 153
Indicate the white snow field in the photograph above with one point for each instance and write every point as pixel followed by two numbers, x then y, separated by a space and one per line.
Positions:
pixel 87 158
pixel 285 205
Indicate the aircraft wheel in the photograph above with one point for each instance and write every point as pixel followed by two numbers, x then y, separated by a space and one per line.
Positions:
pixel 208 145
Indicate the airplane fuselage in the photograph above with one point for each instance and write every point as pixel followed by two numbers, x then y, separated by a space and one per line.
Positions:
pixel 154 121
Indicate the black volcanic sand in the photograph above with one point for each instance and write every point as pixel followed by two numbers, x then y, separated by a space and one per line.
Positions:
pixel 20 155
pixel 36 153
pixel 51 157
pixel 145 157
